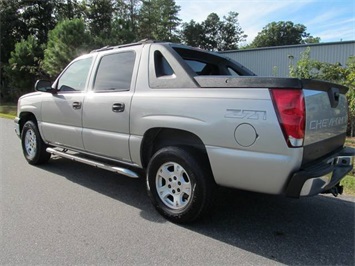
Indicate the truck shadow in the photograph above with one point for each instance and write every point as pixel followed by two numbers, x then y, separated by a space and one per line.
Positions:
pixel 311 231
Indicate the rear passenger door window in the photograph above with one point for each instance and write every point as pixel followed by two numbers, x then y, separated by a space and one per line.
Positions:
pixel 115 72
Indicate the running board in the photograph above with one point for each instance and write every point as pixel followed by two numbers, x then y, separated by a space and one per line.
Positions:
pixel 111 168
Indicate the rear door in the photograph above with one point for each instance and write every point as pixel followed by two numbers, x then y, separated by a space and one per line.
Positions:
pixel 62 112
pixel 106 107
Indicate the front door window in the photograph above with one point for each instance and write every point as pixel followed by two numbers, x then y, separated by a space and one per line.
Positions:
pixel 75 76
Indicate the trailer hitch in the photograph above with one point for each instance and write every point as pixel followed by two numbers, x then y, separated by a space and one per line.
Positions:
pixel 336 190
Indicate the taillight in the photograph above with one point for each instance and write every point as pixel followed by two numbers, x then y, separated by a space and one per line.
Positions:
pixel 290 108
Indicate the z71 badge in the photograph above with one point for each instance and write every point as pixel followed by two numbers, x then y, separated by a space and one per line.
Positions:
pixel 246 114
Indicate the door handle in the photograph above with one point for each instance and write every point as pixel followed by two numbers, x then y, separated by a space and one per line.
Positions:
pixel 118 107
pixel 76 105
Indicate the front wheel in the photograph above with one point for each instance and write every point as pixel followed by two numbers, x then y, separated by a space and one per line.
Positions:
pixel 34 149
pixel 179 184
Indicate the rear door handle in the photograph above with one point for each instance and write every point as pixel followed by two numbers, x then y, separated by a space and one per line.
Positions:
pixel 76 105
pixel 118 107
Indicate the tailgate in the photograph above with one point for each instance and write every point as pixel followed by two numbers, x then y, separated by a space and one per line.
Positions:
pixel 326 118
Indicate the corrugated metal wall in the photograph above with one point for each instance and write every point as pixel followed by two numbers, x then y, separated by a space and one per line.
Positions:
pixel 275 61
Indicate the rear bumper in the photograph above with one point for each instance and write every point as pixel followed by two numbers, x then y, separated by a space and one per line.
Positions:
pixel 321 176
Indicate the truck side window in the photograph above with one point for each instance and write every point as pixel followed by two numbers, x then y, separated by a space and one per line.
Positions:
pixel 75 76
pixel 115 72
pixel 162 67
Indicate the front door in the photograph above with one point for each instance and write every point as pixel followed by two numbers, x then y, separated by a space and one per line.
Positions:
pixel 61 122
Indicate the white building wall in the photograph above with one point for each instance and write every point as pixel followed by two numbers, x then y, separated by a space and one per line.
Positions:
pixel 275 61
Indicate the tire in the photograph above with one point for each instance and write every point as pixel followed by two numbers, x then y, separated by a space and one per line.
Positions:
pixel 179 184
pixel 33 147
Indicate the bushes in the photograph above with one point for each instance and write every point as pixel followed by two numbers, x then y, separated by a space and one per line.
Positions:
pixel 336 73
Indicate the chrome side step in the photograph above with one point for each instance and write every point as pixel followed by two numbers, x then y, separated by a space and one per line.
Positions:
pixel 101 165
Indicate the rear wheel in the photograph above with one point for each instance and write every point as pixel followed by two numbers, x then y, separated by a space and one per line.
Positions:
pixel 34 149
pixel 179 185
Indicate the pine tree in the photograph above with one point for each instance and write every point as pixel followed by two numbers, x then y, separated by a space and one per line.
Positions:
pixel 158 20
pixel 100 18
pixel 23 69
pixel 66 41
pixel 192 33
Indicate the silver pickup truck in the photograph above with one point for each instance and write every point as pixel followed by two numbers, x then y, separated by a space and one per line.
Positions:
pixel 192 120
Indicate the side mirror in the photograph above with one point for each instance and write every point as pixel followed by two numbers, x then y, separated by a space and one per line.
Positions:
pixel 45 86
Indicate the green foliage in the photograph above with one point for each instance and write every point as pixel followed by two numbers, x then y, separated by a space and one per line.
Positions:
pixel 231 32
pixel 125 22
pixel 350 82
pixel 37 15
pixel 103 22
pixel 8 111
pixel 158 20
pixel 192 33
pixel 100 15
pixel 283 33
pixel 214 34
pixel 66 41
pixel 305 67
pixel 211 27
pixel 67 28
pixel 12 28
pixel 349 184
pixel 311 39
pixel 22 69
pixel 169 20
pixel 122 32
pixel 313 69
pixel 18 20
pixel 69 9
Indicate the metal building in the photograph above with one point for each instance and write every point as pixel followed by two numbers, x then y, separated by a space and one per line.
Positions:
pixel 275 61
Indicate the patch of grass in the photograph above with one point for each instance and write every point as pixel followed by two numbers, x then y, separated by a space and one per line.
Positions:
pixel 8 111
pixel 7 116
pixel 350 142
pixel 349 185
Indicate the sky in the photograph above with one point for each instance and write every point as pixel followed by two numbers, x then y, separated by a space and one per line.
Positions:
pixel 331 20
